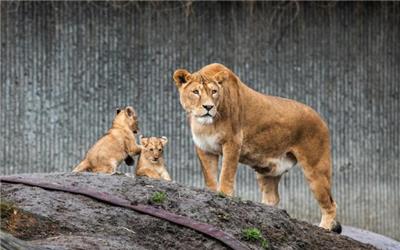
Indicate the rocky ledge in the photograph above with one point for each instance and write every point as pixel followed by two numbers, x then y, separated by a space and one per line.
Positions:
pixel 33 217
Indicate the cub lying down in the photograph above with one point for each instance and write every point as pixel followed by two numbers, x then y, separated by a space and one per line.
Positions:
pixel 117 144
pixel 151 161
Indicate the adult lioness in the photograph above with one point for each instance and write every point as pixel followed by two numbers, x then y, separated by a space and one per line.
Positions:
pixel 270 134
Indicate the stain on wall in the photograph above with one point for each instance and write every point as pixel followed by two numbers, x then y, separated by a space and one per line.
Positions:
pixel 66 67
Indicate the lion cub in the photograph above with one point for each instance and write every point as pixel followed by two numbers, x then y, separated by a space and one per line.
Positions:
pixel 151 161
pixel 116 145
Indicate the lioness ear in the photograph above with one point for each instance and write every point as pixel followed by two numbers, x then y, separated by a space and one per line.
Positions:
pixel 130 111
pixel 164 140
pixel 181 76
pixel 144 141
pixel 118 110
pixel 221 76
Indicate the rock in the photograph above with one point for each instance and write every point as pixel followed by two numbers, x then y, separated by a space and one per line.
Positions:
pixel 377 240
pixel 8 242
pixel 59 220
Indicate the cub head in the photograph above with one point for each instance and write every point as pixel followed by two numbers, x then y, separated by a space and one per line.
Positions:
pixel 127 117
pixel 153 148
pixel 200 93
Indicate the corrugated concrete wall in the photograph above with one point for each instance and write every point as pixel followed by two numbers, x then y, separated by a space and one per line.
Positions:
pixel 65 67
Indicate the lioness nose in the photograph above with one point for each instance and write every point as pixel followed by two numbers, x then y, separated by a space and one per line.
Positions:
pixel 208 107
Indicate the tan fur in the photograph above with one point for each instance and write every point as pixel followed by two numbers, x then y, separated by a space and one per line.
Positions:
pixel 270 134
pixel 151 161
pixel 111 149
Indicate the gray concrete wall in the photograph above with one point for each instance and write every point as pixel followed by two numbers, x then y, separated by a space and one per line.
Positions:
pixel 65 67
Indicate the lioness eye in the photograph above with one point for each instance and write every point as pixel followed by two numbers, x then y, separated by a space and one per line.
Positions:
pixel 214 91
pixel 159 149
pixel 151 149
pixel 196 92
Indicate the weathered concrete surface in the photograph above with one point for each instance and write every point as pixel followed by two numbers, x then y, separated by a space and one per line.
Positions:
pixel 379 241
pixel 59 220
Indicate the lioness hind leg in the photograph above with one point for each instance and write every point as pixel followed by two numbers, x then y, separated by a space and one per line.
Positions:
pixel 319 180
pixel 269 189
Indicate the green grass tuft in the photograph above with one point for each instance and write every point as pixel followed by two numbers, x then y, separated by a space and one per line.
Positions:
pixel 158 197
pixel 254 234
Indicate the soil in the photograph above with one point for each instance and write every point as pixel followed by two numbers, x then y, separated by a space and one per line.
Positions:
pixel 58 220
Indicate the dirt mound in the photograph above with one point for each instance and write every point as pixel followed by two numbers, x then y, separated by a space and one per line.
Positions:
pixel 59 220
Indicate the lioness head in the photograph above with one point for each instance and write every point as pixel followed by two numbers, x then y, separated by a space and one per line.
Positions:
pixel 153 148
pixel 201 93
pixel 127 117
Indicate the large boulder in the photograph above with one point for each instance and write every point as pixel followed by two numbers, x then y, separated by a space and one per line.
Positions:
pixel 60 220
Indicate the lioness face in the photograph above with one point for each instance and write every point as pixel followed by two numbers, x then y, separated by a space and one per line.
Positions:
pixel 128 116
pixel 153 148
pixel 200 96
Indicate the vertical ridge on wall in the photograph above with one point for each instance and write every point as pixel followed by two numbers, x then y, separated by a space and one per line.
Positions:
pixel 66 66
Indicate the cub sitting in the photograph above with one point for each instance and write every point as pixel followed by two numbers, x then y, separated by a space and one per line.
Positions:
pixel 151 161
pixel 116 145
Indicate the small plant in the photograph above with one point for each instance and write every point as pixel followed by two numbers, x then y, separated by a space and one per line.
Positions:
pixel 264 243
pixel 158 197
pixel 237 199
pixel 223 215
pixel 254 234
pixel 221 195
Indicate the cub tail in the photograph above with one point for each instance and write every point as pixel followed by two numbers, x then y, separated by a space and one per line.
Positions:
pixel 82 167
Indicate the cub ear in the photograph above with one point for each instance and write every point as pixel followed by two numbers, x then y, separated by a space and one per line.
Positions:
pixel 130 111
pixel 181 76
pixel 118 110
pixel 144 141
pixel 221 76
pixel 164 140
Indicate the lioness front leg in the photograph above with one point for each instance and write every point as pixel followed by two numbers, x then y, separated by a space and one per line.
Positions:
pixel 231 154
pixel 209 166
